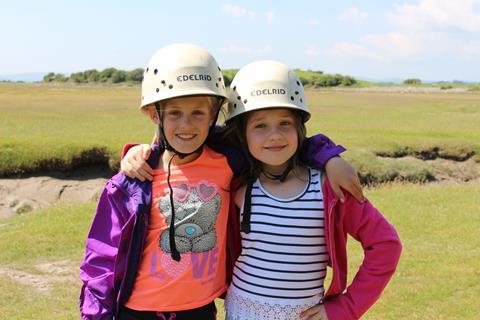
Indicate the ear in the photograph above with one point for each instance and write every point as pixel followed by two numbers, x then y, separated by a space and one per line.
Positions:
pixel 153 114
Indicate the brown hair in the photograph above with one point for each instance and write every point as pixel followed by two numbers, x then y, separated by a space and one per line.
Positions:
pixel 235 135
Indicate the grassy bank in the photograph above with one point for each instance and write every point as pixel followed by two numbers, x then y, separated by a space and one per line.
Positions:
pixel 437 277
pixel 57 127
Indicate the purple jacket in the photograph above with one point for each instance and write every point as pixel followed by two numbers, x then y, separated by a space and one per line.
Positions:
pixel 114 243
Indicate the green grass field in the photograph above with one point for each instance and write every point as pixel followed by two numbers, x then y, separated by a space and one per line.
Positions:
pixel 437 277
pixel 49 126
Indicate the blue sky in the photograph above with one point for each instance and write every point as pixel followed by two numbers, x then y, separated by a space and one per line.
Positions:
pixel 427 39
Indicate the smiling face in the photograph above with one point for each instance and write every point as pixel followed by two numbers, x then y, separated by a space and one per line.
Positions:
pixel 272 138
pixel 186 121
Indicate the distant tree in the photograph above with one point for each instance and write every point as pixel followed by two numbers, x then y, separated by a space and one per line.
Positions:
pixel 118 76
pixel 49 77
pixel 78 77
pixel 228 75
pixel 91 75
pixel 136 75
pixel 412 81
pixel 60 78
pixel 348 81
pixel 106 74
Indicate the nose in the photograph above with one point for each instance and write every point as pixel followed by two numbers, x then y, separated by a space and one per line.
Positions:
pixel 275 133
pixel 185 120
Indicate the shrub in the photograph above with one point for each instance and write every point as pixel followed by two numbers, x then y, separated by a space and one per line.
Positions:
pixel 412 81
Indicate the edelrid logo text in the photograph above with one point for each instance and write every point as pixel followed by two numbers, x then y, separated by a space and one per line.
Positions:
pixel 264 92
pixel 194 77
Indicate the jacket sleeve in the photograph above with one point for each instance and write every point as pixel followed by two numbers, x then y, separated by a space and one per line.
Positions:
pixel 317 150
pixel 382 249
pixel 97 296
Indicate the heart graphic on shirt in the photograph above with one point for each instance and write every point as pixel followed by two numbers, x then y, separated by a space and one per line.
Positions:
pixel 180 192
pixel 206 191
pixel 175 268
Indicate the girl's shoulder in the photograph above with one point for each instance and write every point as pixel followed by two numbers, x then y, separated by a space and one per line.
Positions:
pixel 240 196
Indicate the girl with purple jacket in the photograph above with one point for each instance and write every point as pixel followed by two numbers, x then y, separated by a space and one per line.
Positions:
pixel 158 249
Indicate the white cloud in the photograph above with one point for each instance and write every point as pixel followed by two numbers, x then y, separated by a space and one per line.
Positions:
pixel 402 46
pixel 428 31
pixel 434 14
pixel 238 11
pixel 353 15
pixel 270 15
pixel 395 44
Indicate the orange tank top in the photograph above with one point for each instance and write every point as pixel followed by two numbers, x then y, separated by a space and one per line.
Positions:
pixel 201 201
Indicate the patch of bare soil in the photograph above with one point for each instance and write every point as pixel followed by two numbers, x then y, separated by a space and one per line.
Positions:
pixel 449 170
pixel 22 195
pixel 46 274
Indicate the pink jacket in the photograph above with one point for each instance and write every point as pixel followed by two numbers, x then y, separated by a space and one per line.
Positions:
pixel 379 241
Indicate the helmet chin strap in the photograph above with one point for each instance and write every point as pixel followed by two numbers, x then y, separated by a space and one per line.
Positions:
pixel 245 224
pixel 280 177
pixel 163 139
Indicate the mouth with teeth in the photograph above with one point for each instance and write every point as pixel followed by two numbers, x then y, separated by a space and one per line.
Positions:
pixel 276 148
pixel 186 136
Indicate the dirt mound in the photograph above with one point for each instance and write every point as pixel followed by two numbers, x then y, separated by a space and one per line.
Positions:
pixel 21 195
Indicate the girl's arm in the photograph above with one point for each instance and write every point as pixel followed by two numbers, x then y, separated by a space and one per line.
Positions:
pixel 97 297
pixel 321 152
pixel 134 161
pixel 382 249
pixel 318 151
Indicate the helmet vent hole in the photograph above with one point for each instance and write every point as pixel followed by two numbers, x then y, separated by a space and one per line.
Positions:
pixel 219 69
pixel 146 71
pixel 164 83
pixel 235 105
pixel 239 98
pixel 235 88
pixel 220 79
pixel 301 100
pixel 296 92
pixel 298 83
pixel 170 86
pixel 245 101
pixel 216 84
pixel 157 89
pixel 155 71
pixel 292 98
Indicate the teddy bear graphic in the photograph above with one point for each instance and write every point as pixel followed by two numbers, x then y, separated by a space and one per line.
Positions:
pixel 196 211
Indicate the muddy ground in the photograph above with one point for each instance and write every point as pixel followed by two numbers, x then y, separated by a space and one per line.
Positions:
pixel 26 194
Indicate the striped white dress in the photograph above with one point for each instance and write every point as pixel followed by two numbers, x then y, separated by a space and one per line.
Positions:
pixel 281 269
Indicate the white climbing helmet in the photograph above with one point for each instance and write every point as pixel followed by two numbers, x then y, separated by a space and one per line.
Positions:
pixel 181 69
pixel 266 84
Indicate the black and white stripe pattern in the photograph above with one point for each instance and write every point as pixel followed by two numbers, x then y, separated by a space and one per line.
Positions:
pixel 284 256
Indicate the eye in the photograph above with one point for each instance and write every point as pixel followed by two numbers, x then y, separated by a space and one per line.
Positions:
pixel 173 113
pixel 259 126
pixel 286 123
pixel 198 112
